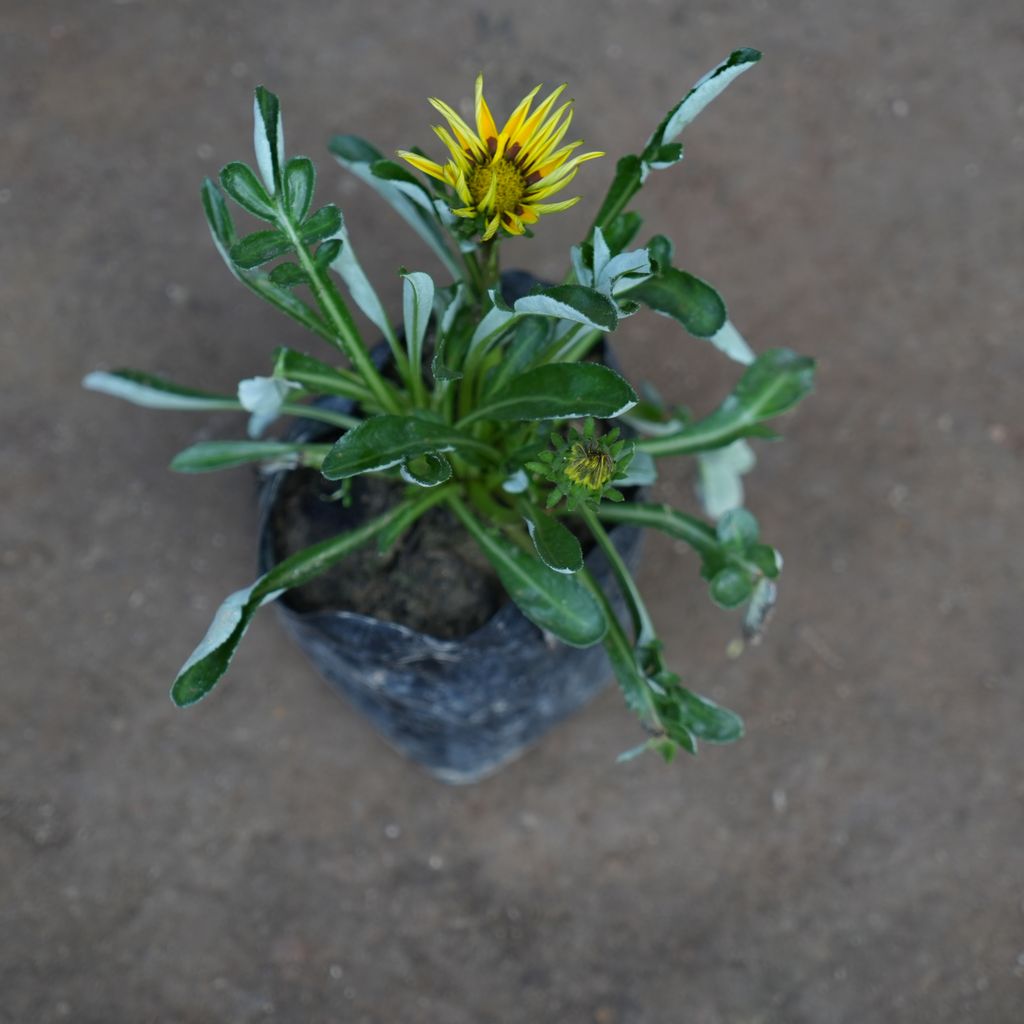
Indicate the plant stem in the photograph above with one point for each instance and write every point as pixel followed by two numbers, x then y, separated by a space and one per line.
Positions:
pixel 642 623
pixel 340 319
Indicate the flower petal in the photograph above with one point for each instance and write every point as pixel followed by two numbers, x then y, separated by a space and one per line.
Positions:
pixel 421 163
pixel 466 136
pixel 485 126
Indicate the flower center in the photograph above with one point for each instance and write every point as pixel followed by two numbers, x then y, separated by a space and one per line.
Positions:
pixel 509 189
pixel 590 465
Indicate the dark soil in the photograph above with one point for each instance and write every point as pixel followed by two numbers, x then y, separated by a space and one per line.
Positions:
pixel 434 579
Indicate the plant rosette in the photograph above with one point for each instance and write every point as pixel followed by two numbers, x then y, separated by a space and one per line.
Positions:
pixel 494 407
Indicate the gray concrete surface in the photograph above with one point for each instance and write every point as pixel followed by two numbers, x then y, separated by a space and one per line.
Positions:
pixel 263 857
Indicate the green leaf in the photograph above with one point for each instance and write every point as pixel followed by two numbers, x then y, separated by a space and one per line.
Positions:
pixel 559 391
pixel 555 602
pixel 317 376
pixel 730 587
pixel 626 183
pixel 428 470
pixel 260 247
pixel 288 275
pixel 774 383
pixel 154 392
pixel 211 658
pixel 384 441
pixel 207 456
pixel 706 719
pixel 622 230
pixel 699 535
pixel 720 484
pixel 268 137
pixel 417 305
pixel 244 187
pixel 327 253
pixel 702 93
pixel 359 157
pixel 325 222
pixel 221 228
pixel 688 299
pixel 737 529
pixel 572 302
pixel 556 544
pixel 767 560
pixel 218 217
pixel 299 182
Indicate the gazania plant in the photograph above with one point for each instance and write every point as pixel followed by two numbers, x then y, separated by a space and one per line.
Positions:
pixel 502 407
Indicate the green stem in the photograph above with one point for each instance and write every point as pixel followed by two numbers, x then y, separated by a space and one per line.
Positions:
pixel 340 319
pixel 315 412
pixel 642 623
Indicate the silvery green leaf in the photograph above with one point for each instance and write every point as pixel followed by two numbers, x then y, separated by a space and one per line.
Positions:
pixel 642 472
pixel 417 306
pixel 760 607
pixel 730 342
pixel 223 232
pixel 602 255
pixel 572 302
pixel 702 93
pixel 348 268
pixel 263 397
pixel 359 157
pixel 516 483
pixel 268 138
pixel 405 182
pixel 720 487
pixel 316 375
pixel 583 274
pixel 207 456
pixel 153 392
pixel 211 658
pixel 495 320
pixel 772 384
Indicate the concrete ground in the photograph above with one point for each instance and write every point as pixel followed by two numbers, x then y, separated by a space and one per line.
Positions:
pixel 859 857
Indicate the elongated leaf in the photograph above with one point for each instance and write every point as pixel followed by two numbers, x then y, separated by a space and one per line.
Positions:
pixel 385 441
pixel 405 181
pixel 362 291
pixel 558 603
pixel 730 342
pixel 359 157
pixel 775 382
pixel 207 456
pixel 244 187
pixel 559 391
pixel 699 535
pixel 702 93
pixel 556 544
pixel 317 376
pixel 622 230
pixel 572 302
pixel 299 182
pixel 223 232
pixel 260 247
pixel 153 392
pixel 212 657
pixel 268 137
pixel 688 299
pixel 626 183
pixel 417 305
pixel 323 224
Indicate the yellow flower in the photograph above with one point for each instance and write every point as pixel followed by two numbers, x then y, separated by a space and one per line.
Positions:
pixel 506 175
